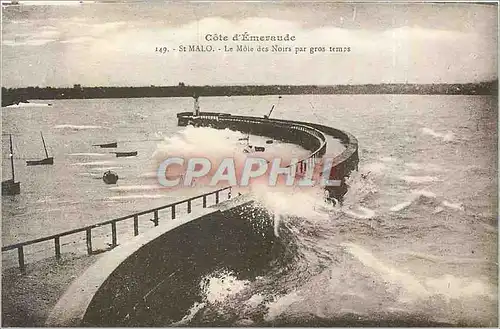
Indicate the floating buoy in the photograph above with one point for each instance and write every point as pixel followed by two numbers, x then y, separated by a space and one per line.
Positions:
pixel 110 177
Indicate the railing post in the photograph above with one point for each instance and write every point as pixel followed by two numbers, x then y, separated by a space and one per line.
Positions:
pixel 20 254
pixel 136 225
pixel 189 206
pixel 204 201
pixel 57 245
pixel 155 217
pixel 89 240
pixel 216 197
pixel 113 235
pixel 173 212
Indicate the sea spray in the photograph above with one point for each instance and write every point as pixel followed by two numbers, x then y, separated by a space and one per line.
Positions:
pixel 216 146
pixel 79 127
pixel 276 218
pixel 448 137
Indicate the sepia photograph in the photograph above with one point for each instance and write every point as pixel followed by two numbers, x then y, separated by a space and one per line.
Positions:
pixel 249 164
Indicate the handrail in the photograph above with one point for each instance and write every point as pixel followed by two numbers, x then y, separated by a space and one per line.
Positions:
pixel 19 246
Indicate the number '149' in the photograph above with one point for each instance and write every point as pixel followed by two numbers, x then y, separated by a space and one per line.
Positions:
pixel 161 50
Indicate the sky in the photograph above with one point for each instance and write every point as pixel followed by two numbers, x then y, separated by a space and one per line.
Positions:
pixel 48 43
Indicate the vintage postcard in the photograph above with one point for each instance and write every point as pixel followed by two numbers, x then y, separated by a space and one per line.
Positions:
pixel 249 164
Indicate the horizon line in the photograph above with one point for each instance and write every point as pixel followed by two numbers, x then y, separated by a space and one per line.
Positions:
pixel 256 85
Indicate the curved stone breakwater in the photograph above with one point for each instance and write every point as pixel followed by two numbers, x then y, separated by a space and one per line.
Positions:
pixel 154 280
pixel 311 136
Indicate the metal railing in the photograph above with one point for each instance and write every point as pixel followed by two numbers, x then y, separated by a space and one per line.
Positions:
pixel 112 222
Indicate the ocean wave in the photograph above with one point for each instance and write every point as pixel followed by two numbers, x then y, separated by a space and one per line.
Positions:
pixel 88 154
pixel 448 137
pixel 218 286
pixel 291 202
pixel 417 197
pixel 87 174
pixel 441 259
pixel 222 144
pixel 401 206
pixel 136 188
pixel 421 197
pixel 420 179
pixel 149 175
pixel 102 169
pixel 437 210
pixel 95 163
pixel 454 206
pixel 424 193
pixel 389 159
pixel 215 289
pixel 28 105
pixel 364 213
pixel 195 309
pixel 447 285
pixel 78 127
pixel 280 304
pixel 141 115
pixel 424 166
pixel 375 167
pixel 136 196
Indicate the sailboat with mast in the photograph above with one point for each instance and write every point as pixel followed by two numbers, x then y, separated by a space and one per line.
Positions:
pixel 47 161
pixel 10 186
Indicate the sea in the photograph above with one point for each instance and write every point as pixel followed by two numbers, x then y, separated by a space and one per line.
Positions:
pixel 415 237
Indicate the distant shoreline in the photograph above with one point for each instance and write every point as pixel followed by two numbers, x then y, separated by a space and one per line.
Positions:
pixel 15 95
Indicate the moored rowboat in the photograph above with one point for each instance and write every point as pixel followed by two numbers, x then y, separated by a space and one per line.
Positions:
pixel 46 161
pixel 107 145
pixel 125 154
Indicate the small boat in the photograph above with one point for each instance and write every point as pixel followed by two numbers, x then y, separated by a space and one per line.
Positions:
pixel 110 177
pixel 12 3
pixel 47 161
pixel 10 186
pixel 259 148
pixel 108 145
pixel 125 154
pixel 269 141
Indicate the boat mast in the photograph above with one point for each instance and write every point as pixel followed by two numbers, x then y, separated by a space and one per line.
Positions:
pixel 272 108
pixel 268 115
pixel 11 158
pixel 44 147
